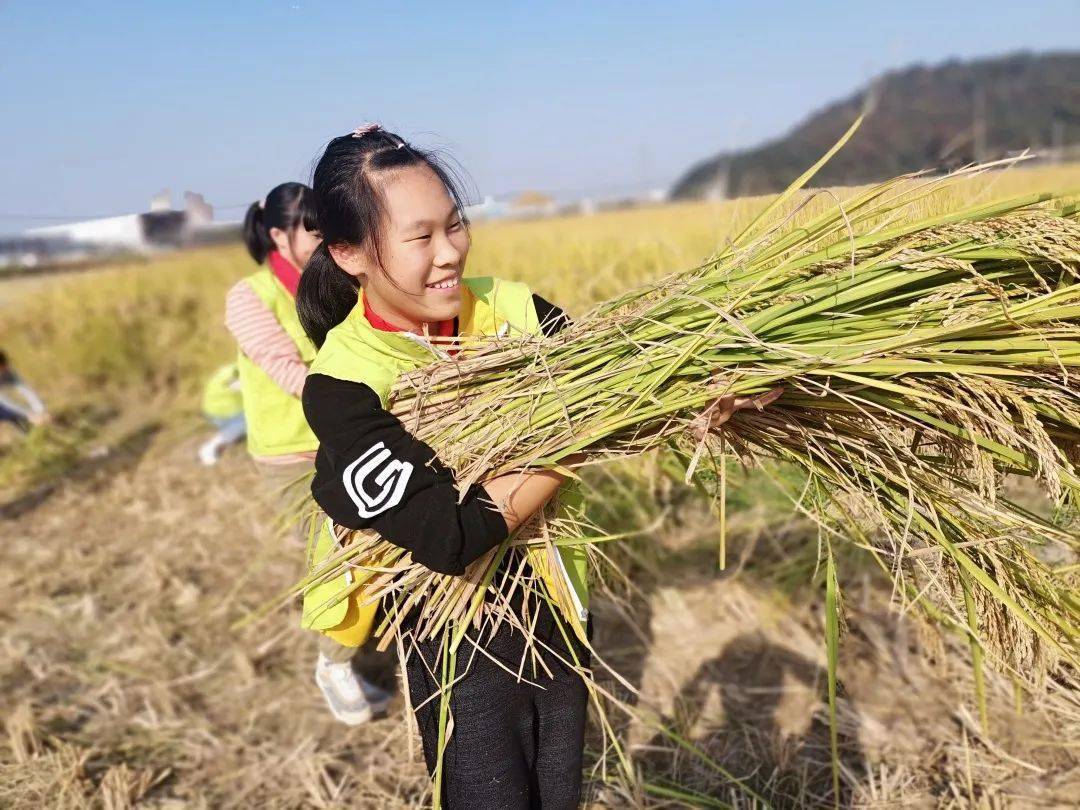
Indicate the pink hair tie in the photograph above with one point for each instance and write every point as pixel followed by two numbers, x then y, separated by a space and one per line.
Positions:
pixel 364 129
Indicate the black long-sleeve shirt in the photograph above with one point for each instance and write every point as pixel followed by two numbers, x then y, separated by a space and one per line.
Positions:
pixel 371 473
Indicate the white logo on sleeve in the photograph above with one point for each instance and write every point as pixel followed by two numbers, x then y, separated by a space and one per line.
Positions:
pixel 388 475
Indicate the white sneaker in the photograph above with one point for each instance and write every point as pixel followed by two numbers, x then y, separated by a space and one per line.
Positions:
pixel 208 452
pixel 352 699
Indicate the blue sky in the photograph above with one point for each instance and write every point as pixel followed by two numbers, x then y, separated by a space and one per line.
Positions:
pixel 102 104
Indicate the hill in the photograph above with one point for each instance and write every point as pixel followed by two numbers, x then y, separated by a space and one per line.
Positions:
pixel 924 117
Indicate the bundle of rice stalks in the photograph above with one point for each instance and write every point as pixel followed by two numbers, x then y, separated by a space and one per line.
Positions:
pixel 923 358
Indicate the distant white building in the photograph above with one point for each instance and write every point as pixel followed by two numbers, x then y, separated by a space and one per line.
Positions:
pixel 530 205
pixel 160 228
pixel 162 201
pixel 123 232
pixel 489 208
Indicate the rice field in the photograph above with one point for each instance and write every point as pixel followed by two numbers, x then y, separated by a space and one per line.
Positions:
pixel 122 682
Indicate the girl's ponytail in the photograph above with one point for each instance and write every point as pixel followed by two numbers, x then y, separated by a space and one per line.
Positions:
pixel 256 235
pixel 326 295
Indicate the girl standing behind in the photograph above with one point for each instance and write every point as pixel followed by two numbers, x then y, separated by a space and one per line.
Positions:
pixel 273 358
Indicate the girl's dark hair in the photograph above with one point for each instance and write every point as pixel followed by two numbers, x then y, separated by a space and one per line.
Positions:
pixel 287 207
pixel 350 208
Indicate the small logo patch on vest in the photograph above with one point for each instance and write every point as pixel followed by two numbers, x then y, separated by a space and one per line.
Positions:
pixel 388 475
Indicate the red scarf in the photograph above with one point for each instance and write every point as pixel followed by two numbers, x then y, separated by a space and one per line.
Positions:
pixel 288 275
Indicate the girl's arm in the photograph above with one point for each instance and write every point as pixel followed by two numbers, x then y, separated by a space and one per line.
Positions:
pixel 518 496
pixel 263 340
pixel 371 473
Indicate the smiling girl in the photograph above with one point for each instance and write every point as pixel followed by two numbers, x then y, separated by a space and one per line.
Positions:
pixel 387 279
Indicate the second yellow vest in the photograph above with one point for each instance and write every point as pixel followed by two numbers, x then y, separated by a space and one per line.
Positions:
pixel 275 419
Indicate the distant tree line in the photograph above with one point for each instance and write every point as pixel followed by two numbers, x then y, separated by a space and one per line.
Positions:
pixel 923 118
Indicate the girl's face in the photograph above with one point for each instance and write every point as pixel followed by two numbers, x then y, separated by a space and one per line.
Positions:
pixel 423 246
pixel 296 245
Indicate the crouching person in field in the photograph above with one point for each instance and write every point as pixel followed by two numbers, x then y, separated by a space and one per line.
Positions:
pixel 19 403
pixel 223 407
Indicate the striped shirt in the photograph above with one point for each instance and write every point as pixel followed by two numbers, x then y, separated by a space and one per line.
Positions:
pixel 263 340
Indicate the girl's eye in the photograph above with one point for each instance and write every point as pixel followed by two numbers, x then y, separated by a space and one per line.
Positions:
pixel 420 238
pixel 456 226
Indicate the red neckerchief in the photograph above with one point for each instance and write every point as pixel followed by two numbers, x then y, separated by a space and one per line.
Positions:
pixel 442 329
pixel 288 275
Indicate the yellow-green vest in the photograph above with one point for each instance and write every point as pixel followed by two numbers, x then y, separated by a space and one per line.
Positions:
pixel 356 351
pixel 275 419
pixel 221 397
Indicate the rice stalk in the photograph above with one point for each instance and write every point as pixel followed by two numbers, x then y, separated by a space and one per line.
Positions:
pixel 832 643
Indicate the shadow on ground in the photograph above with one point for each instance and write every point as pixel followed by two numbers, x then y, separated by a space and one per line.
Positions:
pixel 96 467
pixel 746 696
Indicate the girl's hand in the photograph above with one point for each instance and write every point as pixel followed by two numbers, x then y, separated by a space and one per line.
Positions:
pixel 519 495
pixel 714 417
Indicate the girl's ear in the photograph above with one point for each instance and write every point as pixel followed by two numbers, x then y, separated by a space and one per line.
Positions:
pixel 351 259
pixel 280 239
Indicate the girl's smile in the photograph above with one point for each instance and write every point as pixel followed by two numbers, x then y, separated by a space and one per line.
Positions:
pixel 447 285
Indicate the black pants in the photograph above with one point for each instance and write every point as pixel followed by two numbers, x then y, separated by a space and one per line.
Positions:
pixel 513 745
